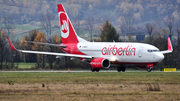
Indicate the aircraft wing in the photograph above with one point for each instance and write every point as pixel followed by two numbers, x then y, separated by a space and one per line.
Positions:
pixel 170 49
pixel 57 45
pixel 47 53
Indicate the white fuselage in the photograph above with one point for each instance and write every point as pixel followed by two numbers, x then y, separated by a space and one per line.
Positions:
pixel 122 52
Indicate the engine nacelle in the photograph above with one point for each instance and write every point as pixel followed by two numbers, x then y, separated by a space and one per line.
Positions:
pixel 100 63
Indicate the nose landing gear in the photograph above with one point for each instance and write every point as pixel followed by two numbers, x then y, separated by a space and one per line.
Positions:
pixel 149 67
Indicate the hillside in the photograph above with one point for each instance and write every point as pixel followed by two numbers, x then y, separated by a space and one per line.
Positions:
pixel 116 11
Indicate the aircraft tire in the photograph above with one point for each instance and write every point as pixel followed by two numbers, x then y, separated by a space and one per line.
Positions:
pixel 119 69
pixel 123 68
pixel 93 69
pixel 149 69
pixel 97 70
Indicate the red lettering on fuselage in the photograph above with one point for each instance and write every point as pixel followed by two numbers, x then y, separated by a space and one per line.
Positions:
pixel 128 51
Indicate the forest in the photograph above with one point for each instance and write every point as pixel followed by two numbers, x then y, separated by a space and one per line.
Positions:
pixel 157 19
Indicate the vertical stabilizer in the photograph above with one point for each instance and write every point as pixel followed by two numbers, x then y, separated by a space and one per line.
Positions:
pixel 68 33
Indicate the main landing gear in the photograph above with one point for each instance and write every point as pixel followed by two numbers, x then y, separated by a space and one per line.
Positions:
pixel 95 69
pixel 121 68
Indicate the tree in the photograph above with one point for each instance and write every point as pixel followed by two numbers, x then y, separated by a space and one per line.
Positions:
pixel 74 11
pixel 46 22
pixel 90 25
pixel 28 46
pixel 24 45
pixel 169 21
pixel 108 33
pixel 178 44
pixel 3 48
pixel 127 23
pixel 8 23
pixel 77 24
pixel 54 40
pixel 41 37
pixel 150 28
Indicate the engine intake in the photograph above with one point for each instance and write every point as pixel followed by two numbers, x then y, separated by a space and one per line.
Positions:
pixel 100 63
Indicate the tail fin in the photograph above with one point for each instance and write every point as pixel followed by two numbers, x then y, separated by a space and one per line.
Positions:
pixel 68 33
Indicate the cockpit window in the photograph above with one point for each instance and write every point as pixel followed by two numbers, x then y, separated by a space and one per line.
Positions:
pixel 149 50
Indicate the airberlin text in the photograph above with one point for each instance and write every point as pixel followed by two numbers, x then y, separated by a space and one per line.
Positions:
pixel 113 50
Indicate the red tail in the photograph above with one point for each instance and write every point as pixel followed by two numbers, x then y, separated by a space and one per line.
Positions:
pixel 68 33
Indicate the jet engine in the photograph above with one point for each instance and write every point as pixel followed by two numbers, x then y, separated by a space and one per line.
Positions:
pixel 100 63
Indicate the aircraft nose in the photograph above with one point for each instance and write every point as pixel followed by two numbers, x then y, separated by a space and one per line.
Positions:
pixel 160 57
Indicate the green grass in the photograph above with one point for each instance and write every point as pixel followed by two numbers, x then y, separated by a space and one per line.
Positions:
pixel 25 65
pixel 26 27
pixel 137 78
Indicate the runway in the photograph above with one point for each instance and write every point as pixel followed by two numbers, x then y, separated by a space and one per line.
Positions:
pixel 76 71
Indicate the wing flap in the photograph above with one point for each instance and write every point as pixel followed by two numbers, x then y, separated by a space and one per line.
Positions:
pixel 57 45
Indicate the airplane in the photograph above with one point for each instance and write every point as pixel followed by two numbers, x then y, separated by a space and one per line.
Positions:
pixel 102 55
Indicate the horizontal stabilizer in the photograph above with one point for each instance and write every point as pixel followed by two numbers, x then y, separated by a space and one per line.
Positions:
pixel 56 45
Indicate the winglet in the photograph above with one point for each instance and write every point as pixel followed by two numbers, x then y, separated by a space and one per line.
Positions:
pixel 12 46
pixel 170 49
pixel 169 45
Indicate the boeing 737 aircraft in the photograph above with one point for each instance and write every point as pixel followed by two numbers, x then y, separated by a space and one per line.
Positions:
pixel 102 55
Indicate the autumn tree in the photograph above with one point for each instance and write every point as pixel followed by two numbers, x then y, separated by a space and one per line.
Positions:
pixel 3 48
pixel 28 46
pixel 108 33
pixel 41 37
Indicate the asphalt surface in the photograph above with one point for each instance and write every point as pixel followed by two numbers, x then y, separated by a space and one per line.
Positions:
pixel 78 71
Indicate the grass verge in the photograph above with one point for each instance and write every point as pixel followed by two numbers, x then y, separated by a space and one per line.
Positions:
pixel 114 77
pixel 90 86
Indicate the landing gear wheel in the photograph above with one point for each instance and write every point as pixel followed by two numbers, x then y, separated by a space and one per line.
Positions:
pixel 149 69
pixel 118 68
pixel 92 69
pixel 97 70
pixel 123 68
